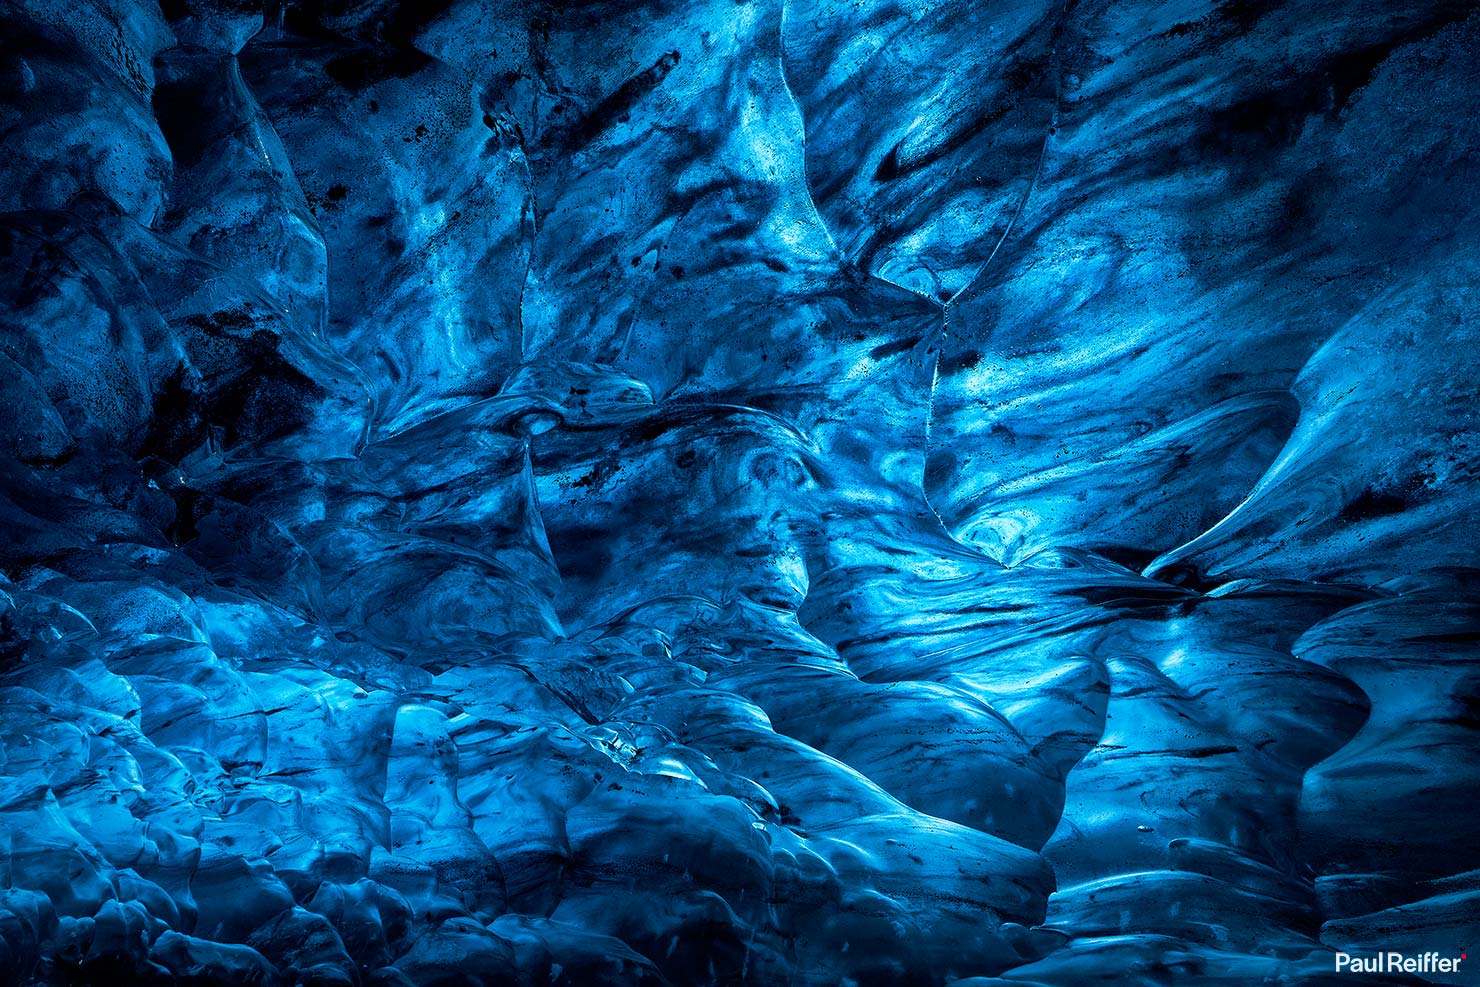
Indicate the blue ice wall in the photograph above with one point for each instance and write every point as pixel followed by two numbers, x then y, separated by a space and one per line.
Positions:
pixel 778 493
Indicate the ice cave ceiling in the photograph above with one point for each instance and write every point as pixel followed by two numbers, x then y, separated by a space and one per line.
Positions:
pixel 779 493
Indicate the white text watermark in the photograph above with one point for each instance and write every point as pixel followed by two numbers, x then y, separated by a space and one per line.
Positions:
pixel 1394 962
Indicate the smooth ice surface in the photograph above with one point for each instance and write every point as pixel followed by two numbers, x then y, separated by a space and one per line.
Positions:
pixel 776 492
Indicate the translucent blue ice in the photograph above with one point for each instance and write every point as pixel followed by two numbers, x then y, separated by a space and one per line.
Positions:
pixel 776 492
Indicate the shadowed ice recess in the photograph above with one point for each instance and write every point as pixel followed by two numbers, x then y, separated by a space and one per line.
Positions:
pixel 778 493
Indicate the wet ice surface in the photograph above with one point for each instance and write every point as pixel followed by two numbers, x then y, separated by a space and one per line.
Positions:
pixel 737 493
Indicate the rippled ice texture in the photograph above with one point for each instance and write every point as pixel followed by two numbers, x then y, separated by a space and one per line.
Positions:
pixel 777 492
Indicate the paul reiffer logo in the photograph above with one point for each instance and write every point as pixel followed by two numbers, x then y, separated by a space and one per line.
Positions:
pixel 1394 962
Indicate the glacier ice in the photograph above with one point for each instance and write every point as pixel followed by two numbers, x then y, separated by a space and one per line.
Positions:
pixel 761 492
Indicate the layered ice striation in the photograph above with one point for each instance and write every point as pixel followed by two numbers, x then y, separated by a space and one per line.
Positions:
pixel 777 492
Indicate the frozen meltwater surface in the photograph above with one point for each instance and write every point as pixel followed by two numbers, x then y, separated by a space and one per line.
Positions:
pixel 783 492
